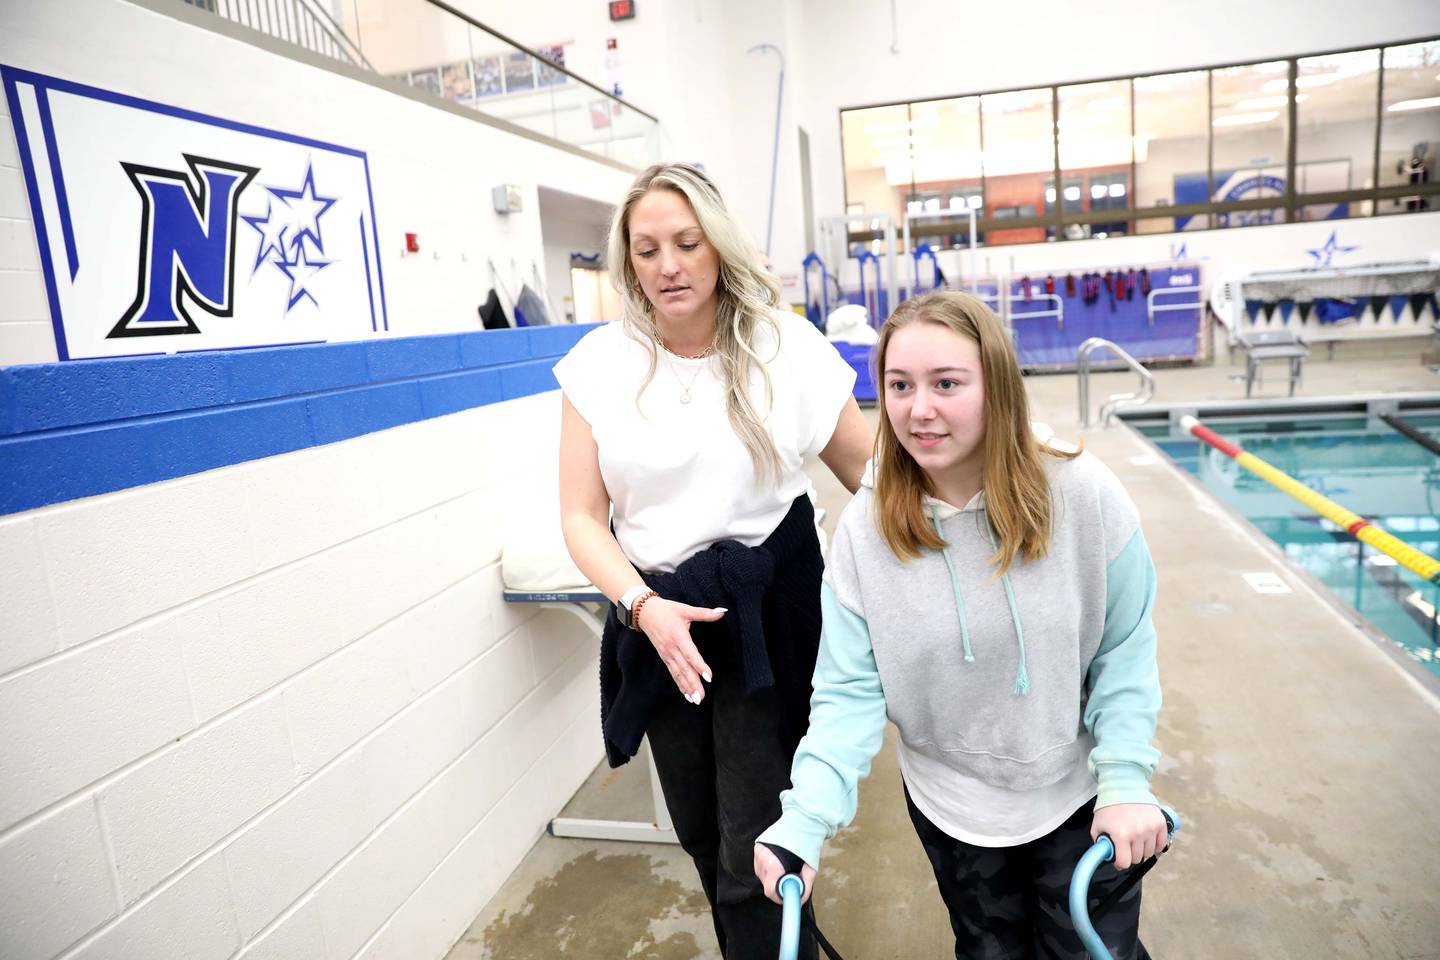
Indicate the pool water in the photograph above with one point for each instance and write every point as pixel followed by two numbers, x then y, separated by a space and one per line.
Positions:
pixel 1364 465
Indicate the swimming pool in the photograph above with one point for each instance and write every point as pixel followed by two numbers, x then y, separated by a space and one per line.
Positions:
pixel 1355 459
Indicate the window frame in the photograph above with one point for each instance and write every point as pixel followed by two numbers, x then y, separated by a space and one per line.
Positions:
pixel 1055 221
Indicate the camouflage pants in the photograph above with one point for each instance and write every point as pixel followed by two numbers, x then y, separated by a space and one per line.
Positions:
pixel 1013 902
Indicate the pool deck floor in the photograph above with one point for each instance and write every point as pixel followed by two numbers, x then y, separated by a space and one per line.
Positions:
pixel 1304 760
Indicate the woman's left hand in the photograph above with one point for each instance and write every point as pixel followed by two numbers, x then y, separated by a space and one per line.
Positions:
pixel 1137 830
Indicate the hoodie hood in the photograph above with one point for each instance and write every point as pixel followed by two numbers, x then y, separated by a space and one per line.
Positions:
pixel 933 505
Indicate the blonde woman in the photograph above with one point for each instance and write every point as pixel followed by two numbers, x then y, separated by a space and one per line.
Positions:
pixel 684 499
pixel 991 595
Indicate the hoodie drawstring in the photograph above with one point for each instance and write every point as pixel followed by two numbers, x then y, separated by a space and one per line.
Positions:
pixel 1022 679
pixel 954 586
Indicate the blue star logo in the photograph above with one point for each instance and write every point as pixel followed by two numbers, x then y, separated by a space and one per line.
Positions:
pixel 290 238
pixel 1324 255
pixel 307 209
pixel 1183 253
pixel 301 271
pixel 272 229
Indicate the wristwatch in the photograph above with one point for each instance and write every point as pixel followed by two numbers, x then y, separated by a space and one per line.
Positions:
pixel 624 610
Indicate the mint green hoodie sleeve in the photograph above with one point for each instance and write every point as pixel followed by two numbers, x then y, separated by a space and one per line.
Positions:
pixel 1123 682
pixel 847 726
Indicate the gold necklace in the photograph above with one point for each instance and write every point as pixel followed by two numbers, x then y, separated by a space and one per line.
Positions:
pixel 689 356
pixel 685 388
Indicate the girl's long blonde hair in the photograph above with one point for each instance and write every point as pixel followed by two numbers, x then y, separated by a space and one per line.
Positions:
pixel 746 292
pixel 1017 492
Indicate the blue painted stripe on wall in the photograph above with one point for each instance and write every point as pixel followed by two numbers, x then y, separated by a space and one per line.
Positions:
pixel 50 396
pixel 88 427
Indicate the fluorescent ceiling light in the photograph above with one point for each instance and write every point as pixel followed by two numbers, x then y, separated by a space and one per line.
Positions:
pixel 1424 103
pixel 1117 189
pixel 957 203
pixel 1049 194
pixel 1244 119
pixel 1097 191
pixel 1267 103
pixel 974 201
pixel 1072 193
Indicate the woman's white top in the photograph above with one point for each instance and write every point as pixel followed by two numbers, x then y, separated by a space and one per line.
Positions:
pixel 678 477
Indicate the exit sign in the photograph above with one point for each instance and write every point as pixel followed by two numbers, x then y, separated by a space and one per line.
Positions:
pixel 622 9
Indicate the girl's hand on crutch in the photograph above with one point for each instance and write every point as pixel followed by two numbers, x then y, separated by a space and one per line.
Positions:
pixel 769 870
pixel 1137 830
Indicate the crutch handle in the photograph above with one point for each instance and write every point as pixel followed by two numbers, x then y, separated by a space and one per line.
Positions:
pixel 791 889
pixel 1102 851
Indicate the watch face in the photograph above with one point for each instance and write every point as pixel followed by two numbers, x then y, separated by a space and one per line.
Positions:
pixel 622 613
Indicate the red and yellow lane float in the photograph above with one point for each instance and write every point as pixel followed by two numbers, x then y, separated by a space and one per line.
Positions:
pixel 1415 560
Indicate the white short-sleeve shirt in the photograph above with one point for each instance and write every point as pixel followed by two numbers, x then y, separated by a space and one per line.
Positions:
pixel 678 477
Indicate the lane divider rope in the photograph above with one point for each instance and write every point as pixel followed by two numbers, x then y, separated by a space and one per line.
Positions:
pixel 1414 560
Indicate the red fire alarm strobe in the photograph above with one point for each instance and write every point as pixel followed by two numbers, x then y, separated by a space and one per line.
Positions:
pixel 622 9
pixel 412 243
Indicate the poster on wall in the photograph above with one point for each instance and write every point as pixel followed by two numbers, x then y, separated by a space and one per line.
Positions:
pixel 455 78
pixel 427 80
pixel 162 230
pixel 547 72
pixel 487 76
pixel 519 72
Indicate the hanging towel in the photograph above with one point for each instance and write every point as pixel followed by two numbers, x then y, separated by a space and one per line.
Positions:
pixel 492 315
pixel 530 309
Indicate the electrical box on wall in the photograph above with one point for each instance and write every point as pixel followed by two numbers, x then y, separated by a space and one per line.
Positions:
pixel 507 198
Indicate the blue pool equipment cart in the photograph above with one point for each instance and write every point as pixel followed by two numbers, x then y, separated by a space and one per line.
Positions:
pixel 1102 852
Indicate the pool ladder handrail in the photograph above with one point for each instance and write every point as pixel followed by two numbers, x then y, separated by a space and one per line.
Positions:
pixel 1116 400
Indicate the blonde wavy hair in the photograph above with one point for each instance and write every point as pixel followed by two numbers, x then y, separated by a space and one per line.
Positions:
pixel 746 292
pixel 1017 491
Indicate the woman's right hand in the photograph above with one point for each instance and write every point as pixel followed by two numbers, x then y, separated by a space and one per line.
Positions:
pixel 667 625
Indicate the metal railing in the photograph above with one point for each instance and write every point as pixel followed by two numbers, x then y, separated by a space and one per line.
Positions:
pixel 442 52
pixel 1116 400
pixel 305 23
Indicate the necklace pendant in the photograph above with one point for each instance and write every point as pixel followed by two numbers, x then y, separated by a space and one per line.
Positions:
pixel 685 397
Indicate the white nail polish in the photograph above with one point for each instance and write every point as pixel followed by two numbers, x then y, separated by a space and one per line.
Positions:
pixel 722 610
pixel 698 695
pixel 708 678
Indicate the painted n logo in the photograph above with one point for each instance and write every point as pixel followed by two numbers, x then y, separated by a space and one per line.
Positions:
pixel 187 244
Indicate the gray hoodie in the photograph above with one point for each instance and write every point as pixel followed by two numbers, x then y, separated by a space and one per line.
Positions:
pixel 1013 680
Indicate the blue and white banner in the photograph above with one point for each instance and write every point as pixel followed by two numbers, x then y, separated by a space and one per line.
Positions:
pixel 162 230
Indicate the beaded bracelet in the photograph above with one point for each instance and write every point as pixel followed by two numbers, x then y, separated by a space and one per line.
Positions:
pixel 639 604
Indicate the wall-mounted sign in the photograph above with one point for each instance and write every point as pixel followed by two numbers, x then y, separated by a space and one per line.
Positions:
pixel 622 9
pixel 162 230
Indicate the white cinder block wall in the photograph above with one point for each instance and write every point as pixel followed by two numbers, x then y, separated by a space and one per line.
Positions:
pixel 279 709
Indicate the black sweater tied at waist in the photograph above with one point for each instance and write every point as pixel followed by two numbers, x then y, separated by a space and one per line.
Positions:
pixel 772 593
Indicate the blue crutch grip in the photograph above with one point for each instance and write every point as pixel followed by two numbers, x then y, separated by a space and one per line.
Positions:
pixel 791 888
pixel 1102 851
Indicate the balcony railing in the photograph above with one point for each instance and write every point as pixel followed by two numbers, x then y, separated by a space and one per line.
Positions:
pixel 445 53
